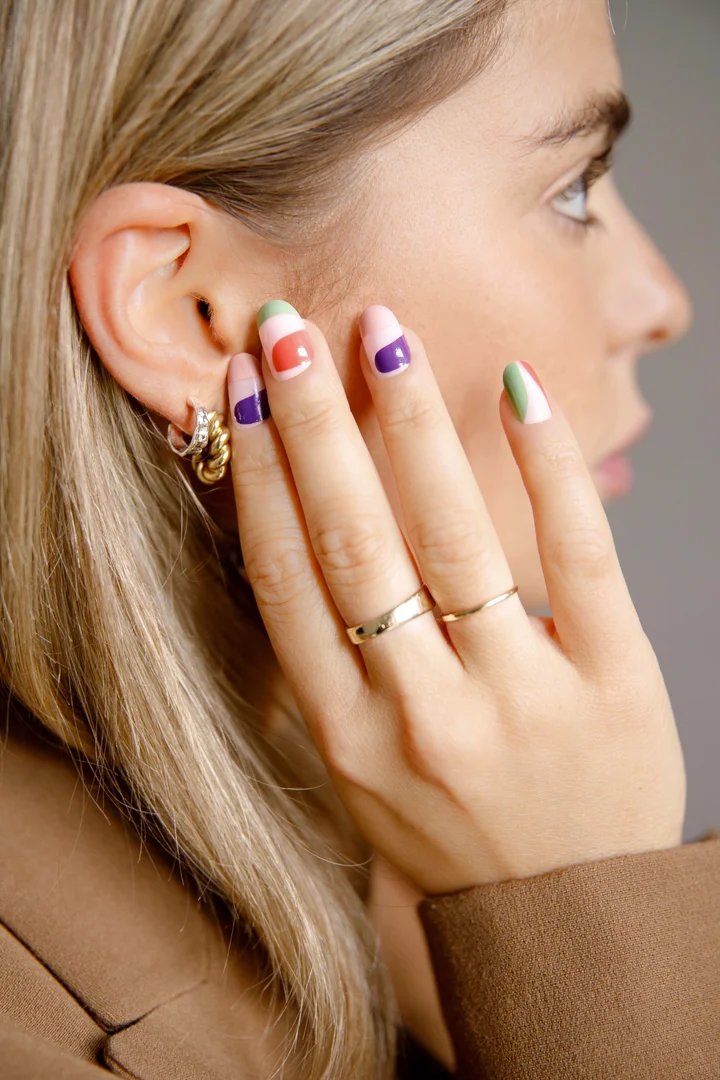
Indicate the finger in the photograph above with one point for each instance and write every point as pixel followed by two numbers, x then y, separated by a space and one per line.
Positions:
pixel 447 522
pixel 355 536
pixel 303 624
pixel 594 615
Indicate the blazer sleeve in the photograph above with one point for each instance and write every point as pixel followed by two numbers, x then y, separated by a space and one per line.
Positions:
pixel 607 969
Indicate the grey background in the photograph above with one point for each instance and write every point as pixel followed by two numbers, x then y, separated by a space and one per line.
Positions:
pixel 667 530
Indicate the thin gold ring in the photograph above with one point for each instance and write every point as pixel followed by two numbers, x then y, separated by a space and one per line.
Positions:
pixel 455 615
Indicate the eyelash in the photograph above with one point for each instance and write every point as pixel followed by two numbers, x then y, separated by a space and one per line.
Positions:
pixel 600 166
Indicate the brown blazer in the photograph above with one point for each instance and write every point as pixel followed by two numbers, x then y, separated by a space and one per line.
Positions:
pixel 109 962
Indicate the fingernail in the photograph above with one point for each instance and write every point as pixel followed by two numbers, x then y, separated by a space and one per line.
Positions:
pixel 284 338
pixel 246 390
pixel 383 341
pixel 527 397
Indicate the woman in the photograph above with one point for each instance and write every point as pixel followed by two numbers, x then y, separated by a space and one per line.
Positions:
pixel 312 824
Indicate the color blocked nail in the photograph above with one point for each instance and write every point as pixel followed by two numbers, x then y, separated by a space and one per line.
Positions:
pixel 284 338
pixel 246 390
pixel 527 397
pixel 383 341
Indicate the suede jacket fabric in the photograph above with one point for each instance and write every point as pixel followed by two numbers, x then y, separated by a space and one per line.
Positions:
pixel 111 964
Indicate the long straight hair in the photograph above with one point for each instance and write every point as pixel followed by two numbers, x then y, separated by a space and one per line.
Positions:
pixel 121 630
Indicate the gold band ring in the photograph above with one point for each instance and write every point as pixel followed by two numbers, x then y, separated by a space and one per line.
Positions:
pixel 418 604
pixel 488 603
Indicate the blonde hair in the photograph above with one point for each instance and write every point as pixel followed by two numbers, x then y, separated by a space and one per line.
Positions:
pixel 122 630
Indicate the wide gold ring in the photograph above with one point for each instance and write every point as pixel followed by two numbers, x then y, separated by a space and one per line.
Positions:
pixel 418 604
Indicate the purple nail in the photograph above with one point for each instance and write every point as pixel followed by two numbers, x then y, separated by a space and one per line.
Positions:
pixel 393 356
pixel 253 409
pixel 247 389
pixel 385 344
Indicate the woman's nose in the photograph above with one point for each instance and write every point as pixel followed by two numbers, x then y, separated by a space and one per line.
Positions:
pixel 651 305
pixel 672 310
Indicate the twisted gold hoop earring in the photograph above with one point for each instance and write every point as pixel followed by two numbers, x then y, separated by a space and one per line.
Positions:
pixel 209 447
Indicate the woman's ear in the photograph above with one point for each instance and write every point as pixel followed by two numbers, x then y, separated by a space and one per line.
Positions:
pixel 167 288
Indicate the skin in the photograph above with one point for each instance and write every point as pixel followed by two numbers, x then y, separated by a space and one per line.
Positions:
pixel 481 262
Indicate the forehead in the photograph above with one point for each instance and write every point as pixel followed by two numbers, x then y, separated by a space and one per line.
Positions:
pixel 556 55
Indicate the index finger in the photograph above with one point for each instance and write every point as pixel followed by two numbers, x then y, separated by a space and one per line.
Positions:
pixel 594 614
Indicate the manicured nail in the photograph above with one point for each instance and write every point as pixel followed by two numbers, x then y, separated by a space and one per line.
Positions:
pixel 383 341
pixel 284 338
pixel 246 390
pixel 526 393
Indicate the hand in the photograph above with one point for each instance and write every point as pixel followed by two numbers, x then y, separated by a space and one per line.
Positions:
pixel 500 746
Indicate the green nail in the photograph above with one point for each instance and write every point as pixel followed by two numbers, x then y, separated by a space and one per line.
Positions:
pixel 527 397
pixel 274 307
pixel 516 390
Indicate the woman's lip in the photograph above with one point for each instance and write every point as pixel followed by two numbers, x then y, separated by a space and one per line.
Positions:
pixel 635 435
pixel 615 474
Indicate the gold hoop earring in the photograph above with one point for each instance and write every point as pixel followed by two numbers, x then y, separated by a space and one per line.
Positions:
pixel 209 447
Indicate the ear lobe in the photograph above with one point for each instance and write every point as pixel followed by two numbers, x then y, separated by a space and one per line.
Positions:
pixel 139 264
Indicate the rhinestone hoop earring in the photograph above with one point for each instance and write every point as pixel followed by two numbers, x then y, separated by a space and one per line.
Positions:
pixel 208 449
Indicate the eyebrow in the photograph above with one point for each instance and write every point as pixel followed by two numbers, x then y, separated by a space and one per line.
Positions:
pixel 610 113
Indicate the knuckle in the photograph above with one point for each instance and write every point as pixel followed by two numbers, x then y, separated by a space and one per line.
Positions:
pixel 310 419
pixel 408 412
pixel 628 686
pixel 338 746
pixel 431 749
pixel 260 469
pixel 584 552
pixel 352 547
pixel 562 460
pixel 441 755
pixel 350 762
pixel 440 543
pixel 349 752
pixel 278 572
pixel 427 756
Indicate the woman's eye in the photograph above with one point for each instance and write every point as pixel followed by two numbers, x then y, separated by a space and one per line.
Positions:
pixel 573 201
